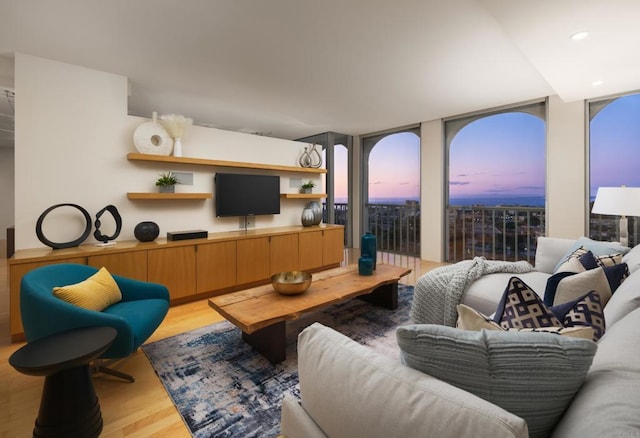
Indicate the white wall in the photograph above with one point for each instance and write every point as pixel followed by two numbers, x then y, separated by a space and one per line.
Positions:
pixel 72 138
pixel 6 190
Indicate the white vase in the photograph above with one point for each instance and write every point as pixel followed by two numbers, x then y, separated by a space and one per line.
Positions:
pixel 177 147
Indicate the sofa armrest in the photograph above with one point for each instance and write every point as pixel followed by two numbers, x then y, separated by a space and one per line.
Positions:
pixel 295 421
pixel 349 390
pixel 549 251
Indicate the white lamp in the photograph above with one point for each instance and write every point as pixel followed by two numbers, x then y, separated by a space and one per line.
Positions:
pixel 619 201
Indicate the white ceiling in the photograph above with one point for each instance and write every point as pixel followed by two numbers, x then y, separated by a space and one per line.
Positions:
pixel 293 68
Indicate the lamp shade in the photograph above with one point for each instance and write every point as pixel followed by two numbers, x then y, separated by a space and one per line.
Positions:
pixel 618 201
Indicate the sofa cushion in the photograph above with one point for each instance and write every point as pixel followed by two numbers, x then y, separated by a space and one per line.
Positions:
pixel 550 251
pixel 533 375
pixel 471 319
pixel 485 293
pixel 624 300
pixel 610 396
pixel 632 259
pixel 349 390
pixel 95 293
pixel 295 422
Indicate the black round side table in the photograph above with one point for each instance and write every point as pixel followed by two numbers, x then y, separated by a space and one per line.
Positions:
pixel 69 406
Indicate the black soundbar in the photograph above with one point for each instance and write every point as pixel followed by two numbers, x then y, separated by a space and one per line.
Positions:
pixel 185 235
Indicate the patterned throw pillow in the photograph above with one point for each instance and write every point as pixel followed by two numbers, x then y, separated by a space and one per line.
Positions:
pixel 598 248
pixel 602 273
pixel 532 375
pixel 584 311
pixel 470 319
pixel 581 259
pixel 520 307
pixel 571 262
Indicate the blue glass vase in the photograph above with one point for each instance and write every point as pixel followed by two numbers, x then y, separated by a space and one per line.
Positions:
pixel 368 244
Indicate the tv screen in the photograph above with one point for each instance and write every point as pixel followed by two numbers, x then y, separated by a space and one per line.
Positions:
pixel 246 195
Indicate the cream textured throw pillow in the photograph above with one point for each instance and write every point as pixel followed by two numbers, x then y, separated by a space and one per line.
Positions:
pixel 573 287
pixel 95 293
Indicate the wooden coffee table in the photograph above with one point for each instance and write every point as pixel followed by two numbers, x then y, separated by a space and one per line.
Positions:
pixel 261 313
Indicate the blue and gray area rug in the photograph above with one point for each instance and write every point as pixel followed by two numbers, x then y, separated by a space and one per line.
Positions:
pixel 222 388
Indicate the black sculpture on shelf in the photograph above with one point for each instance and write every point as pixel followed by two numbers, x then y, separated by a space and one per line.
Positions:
pixel 116 217
pixel 146 231
pixel 71 244
pixel 97 234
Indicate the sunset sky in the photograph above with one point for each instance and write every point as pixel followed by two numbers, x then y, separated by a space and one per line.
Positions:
pixel 394 168
pixel 504 154
pixel 498 155
pixel 615 145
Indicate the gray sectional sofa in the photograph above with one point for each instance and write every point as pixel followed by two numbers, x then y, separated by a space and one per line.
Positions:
pixel 348 390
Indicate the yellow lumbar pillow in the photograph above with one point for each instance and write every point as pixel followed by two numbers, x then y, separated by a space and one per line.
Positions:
pixel 95 293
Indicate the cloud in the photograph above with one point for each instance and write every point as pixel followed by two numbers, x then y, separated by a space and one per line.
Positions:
pixel 458 183
pixel 463 175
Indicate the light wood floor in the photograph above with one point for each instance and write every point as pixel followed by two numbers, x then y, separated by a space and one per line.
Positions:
pixel 141 409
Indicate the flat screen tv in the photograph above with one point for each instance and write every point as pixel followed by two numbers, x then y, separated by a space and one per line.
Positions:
pixel 246 195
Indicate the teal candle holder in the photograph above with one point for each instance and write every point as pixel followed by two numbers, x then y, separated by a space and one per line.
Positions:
pixel 365 266
pixel 368 244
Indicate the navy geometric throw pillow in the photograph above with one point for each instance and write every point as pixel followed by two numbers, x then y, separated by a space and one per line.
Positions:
pixel 520 307
pixel 584 311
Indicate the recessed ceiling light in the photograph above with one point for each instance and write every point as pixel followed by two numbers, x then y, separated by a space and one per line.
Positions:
pixel 597 83
pixel 579 35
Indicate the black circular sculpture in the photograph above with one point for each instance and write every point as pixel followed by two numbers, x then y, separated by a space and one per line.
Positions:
pixel 71 244
pixel 146 231
pixel 116 217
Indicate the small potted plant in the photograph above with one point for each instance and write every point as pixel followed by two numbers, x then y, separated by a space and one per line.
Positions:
pixel 307 187
pixel 167 182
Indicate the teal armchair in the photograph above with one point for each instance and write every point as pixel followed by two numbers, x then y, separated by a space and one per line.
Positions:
pixel 141 310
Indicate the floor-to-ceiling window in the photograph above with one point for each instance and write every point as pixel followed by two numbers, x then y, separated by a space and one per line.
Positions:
pixel 496 183
pixel 614 159
pixel 390 189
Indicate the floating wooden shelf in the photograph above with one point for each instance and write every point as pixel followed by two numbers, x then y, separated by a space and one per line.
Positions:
pixel 219 163
pixel 169 195
pixel 303 195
